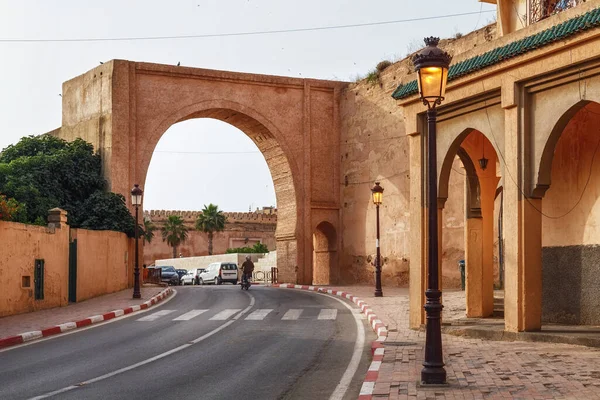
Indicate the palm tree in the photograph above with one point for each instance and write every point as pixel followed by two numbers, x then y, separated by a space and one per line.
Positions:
pixel 174 232
pixel 148 230
pixel 211 220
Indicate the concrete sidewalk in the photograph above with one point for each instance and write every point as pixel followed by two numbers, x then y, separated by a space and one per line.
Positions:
pixel 39 320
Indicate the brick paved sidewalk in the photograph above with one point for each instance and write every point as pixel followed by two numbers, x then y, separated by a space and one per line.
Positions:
pixel 37 320
pixel 477 369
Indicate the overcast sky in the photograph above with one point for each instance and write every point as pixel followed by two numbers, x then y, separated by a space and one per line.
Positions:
pixel 181 175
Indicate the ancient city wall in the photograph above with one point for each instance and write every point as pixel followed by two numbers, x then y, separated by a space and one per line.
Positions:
pixel 242 229
pixel 374 146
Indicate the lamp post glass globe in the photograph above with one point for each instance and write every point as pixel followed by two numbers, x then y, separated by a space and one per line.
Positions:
pixel 432 64
pixel 136 195
pixel 377 191
pixel 136 200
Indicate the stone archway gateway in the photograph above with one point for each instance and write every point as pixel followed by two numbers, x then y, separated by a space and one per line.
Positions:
pixel 123 108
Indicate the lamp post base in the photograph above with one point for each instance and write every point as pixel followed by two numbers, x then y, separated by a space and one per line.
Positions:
pixel 136 285
pixel 378 293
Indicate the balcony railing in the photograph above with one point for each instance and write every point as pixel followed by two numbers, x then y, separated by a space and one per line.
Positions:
pixel 540 9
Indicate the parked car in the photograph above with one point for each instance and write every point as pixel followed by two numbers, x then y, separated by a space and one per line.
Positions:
pixel 191 278
pixel 181 273
pixel 169 275
pixel 219 272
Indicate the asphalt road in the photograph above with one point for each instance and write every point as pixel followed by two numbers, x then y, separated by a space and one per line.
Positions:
pixel 206 342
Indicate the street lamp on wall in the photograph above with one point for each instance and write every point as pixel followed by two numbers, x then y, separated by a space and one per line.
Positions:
pixel 483 162
pixel 136 201
pixel 432 64
pixel 377 191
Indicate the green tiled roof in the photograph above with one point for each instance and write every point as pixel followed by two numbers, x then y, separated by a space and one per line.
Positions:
pixel 586 21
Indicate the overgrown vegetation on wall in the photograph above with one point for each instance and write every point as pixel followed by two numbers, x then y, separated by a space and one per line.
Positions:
pixel 44 172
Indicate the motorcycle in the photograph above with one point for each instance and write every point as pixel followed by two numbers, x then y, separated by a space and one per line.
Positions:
pixel 245 282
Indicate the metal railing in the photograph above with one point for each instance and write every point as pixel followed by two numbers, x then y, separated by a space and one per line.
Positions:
pixel 265 277
pixel 153 275
pixel 540 9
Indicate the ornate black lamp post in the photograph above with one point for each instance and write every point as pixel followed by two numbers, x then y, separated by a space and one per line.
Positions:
pixel 136 201
pixel 432 65
pixel 377 200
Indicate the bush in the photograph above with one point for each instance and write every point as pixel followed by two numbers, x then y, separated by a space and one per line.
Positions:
pixel 383 65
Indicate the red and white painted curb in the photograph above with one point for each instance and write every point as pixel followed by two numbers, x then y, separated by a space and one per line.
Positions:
pixel 368 386
pixel 33 335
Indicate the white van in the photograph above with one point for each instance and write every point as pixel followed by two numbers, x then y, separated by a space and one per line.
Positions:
pixel 219 272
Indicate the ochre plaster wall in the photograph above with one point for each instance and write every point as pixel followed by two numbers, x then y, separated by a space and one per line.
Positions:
pixel 375 147
pixel 571 232
pixel 104 265
pixel 453 227
pixel 105 262
pixel 21 246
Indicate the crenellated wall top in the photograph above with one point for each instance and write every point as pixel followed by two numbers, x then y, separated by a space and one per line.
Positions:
pixel 265 216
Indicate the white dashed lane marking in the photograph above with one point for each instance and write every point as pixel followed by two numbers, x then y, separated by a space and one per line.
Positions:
pixel 328 313
pixel 225 314
pixel 259 314
pixel 292 314
pixel 189 315
pixel 156 315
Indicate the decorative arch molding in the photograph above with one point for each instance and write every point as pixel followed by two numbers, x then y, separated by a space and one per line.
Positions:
pixel 550 103
pixel 124 107
pixel 473 199
pixel 259 129
pixel 544 178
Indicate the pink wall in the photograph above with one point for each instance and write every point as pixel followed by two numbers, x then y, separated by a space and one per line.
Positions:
pixel 105 262
pixel 21 246
pixel 104 265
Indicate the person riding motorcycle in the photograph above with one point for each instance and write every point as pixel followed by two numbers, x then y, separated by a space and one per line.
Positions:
pixel 247 269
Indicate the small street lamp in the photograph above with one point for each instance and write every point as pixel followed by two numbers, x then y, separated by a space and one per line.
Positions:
pixel 136 201
pixel 377 200
pixel 432 64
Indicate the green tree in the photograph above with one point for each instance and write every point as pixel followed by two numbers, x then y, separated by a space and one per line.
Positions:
pixel 148 230
pixel 44 172
pixel 257 248
pixel 105 211
pixel 11 210
pixel 174 232
pixel 211 220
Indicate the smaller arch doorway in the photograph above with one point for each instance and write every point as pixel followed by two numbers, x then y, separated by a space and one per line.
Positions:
pixel 477 156
pixel 324 254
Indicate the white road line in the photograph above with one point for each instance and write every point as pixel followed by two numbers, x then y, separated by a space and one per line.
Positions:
pixel 156 315
pixel 344 383
pixel 259 314
pixel 328 313
pixel 189 315
pixel 292 314
pixel 149 360
pixel 225 314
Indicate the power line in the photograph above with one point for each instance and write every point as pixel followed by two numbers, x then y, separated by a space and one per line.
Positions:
pixel 250 33
pixel 207 152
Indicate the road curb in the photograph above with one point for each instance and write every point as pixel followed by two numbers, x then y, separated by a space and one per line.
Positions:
pixel 68 326
pixel 377 347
